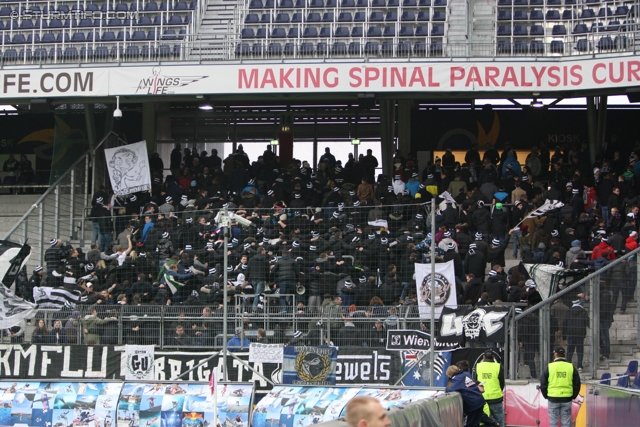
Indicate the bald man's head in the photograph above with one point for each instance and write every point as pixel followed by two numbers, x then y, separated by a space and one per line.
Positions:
pixel 366 411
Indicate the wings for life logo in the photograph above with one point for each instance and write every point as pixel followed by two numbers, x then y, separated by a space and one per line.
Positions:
pixel 159 84
pixel 313 367
pixel 140 364
pixel 442 290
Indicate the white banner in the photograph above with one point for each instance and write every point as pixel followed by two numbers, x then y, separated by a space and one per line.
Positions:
pixel 445 288
pixel 128 167
pixel 266 353
pixel 400 76
pixel 139 362
pixel 499 75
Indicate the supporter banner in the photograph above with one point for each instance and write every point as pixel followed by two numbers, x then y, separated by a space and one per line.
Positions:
pixel 417 365
pixel 414 340
pixel 39 83
pixel 266 353
pixel 13 309
pixel 483 324
pixel 139 362
pixel 367 366
pixel 385 77
pixel 445 288
pixel 128 168
pixel 305 365
pixel 59 297
pixel 546 277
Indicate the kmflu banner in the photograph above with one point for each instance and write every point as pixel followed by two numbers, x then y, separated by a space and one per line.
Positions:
pixel 139 362
pixel 445 288
pixel 128 167
pixel 304 365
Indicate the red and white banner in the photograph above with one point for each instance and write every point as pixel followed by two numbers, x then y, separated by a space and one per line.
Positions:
pixel 234 78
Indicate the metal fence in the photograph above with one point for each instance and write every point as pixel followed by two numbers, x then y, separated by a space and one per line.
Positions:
pixel 58 212
pixel 592 318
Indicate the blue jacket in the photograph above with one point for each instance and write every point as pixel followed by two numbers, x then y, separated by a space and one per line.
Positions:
pixel 234 344
pixel 472 399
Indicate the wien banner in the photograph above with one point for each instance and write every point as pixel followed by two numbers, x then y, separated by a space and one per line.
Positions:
pixel 305 365
pixel 481 324
pixel 445 288
pixel 128 168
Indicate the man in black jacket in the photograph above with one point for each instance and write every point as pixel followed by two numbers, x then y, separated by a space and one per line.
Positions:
pixel 258 273
pixel 286 273
pixel 495 285
pixel 577 331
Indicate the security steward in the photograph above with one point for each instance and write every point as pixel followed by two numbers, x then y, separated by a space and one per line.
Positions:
pixel 560 384
pixel 489 372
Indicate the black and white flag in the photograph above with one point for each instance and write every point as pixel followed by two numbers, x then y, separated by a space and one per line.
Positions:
pixel 13 309
pixel 56 297
pixel 548 205
pixel 12 257
pixel 128 168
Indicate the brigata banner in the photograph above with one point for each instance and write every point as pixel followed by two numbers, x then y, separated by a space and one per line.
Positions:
pixel 401 339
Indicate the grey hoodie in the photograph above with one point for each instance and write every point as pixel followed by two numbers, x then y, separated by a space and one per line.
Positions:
pixel 572 254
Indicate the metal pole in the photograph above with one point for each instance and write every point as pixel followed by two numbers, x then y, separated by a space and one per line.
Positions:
pixel 594 308
pixel 225 231
pixel 72 194
pixel 515 349
pixel 433 289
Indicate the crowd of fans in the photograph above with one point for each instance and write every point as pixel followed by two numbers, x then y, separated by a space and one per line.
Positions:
pixel 340 240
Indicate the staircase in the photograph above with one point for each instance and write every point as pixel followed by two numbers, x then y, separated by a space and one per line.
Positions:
pixel 482 27
pixel 218 24
pixel 459 25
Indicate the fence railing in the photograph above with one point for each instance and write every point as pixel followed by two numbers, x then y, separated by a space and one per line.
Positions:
pixel 57 212
pixel 586 332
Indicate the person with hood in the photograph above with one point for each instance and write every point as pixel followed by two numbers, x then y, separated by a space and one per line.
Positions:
pixel 481 220
pixel 472 400
pixel 540 236
pixel 512 163
pixel 472 290
pixel 577 331
pixel 573 253
pixel 475 263
pixel 495 285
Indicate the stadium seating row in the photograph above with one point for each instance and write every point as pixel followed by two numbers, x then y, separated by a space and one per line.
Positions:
pixel 354 48
pixel 321 4
pixel 556 3
pixel 91 36
pixel 344 32
pixel 100 53
pixel 561 30
pixel 410 16
pixel 504 46
pixel 144 21
pixel 568 14
pixel 105 7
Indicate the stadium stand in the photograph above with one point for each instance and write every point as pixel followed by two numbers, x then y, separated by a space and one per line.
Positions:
pixel 83 30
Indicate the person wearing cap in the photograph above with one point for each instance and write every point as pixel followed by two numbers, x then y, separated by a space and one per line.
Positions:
pixel 238 342
pixel 55 254
pixel 490 374
pixel 603 250
pixel 560 384
pixel 472 400
pixel 286 273
pixel 366 411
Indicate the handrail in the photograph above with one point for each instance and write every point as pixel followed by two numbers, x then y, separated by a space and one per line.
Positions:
pixel 577 284
pixel 53 187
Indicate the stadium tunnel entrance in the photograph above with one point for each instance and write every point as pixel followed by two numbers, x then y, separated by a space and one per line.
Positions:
pixel 304 125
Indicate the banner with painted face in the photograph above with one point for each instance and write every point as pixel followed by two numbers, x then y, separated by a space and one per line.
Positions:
pixel 480 324
pixel 128 168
